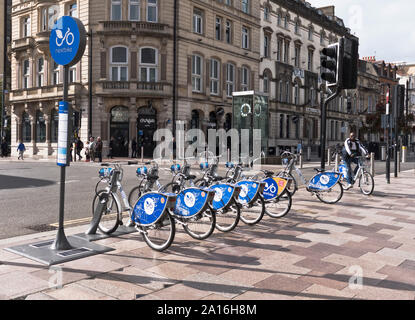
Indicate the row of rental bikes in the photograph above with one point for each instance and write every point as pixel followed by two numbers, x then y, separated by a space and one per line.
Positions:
pixel 208 202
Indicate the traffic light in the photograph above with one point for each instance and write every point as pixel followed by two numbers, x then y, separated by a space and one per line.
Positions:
pixel 398 101
pixel 331 71
pixel 350 62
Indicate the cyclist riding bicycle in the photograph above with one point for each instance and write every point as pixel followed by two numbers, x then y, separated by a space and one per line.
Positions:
pixel 351 150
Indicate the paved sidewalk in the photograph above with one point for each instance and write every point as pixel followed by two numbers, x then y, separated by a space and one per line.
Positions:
pixel 361 248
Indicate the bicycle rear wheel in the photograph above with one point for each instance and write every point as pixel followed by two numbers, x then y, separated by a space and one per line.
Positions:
pixel 134 195
pixel 331 196
pixel 366 183
pixel 279 207
pixel 201 226
pixel 160 236
pixel 254 213
pixel 227 221
pixel 110 217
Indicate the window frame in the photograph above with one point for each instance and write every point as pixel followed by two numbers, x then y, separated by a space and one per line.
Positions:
pixel 213 79
pixel 148 66
pixel 197 78
pixel 118 65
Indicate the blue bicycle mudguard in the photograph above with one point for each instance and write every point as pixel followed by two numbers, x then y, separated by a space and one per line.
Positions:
pixel 193 201
pixel 324 181
pixel 151 207
pixel 274 187
pixel 250 190
pixel 223 195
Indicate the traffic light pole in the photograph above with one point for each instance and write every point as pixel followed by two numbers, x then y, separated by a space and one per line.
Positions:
pixel 388 158
pixel 323 126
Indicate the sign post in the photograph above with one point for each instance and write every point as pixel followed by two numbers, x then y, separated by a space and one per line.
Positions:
pixel 67 46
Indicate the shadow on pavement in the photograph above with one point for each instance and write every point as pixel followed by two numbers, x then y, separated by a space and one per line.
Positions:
pixel 11 182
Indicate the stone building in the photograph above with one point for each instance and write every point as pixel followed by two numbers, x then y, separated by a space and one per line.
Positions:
pixel 293 35
pixel 132 68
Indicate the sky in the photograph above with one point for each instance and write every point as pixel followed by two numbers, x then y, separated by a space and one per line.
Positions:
pixel 386 29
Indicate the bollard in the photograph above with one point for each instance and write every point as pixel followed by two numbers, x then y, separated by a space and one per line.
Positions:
pixel 337 163
pixel 372 164
pixel 142 154
pixel 404 154
pixel 329 156
pixel 308 153
pixel 301 160
pixel 399 161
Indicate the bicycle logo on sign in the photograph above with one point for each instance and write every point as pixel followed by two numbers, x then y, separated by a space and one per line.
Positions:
pixel 68 35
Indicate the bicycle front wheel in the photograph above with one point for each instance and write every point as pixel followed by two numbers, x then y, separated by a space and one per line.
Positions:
pixel 201 226
pixel 253 214
pixel 134 195
pixel 227 221
pixel 160 236
pixel 110 218
pixel 279 207
pixel 331 196
pixel 366 183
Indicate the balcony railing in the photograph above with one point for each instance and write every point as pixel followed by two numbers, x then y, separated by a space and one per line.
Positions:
pixel 43 92
pixel 133 87
pixel 134 27
pixel 23 43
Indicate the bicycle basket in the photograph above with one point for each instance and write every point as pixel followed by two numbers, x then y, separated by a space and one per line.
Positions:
pixel 175 168
pixel 105 172
pixel 142 171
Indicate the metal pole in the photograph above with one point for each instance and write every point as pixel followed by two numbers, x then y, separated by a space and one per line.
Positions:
pixel 90 85
pixel 175 73
pixel 372 164
pixel 388 159
pixel 61 242
pixel 5 64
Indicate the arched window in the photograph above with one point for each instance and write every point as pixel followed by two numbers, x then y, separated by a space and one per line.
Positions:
pixel 148 64
pixel 119 64
pixel 26 128
pixel 54 124
pixel 40 127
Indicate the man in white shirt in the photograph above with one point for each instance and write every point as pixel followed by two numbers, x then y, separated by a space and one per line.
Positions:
pixel 351 150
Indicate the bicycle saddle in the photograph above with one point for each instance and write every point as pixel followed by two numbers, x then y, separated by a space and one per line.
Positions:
pixel 319 170
pixel 152 177
pixel 217 178
pixel 268 173
pixel 191 177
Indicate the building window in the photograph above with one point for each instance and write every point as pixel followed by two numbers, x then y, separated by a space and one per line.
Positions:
pixel 72 74
pixel 322 38
pixel 197 73
pixel 26 27
pixel 280 86
pixel 278 19
pixel 53 14
pixel 279 49
pixel 228 32
pixel 25 74
pixel 297 27
pixel 286 51
pixel 296 94
pixel 245 38
pixel 288 127
pixel 266 83
pixel 245 79
pixel 26 128
pixel 245 6
pixel 266 13
pixel 152 11
pixel 230 79
pixel 310 59
pixel 44 21
pixel 218 29
pixel 281 126
pixel 297 56
pixel 214 76
pixel 116 10
pixel 40 72
pixel 134 10
pixel 287 92
pixel 197 21
pixel 119 64
pixel 286 20
pixel 266 46
pixel 55 74
pixel 73 10
pixel 310 33
pixel 40 127
pixel 148 64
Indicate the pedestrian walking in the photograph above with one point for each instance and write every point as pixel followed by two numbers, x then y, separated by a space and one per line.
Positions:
pixel 134 148
pixel 111 148
pixel 351 150
pixel 92 149
pixel 4 148
pixel 79 146
pixel 21 148
pixel 87 157
pixel 98 149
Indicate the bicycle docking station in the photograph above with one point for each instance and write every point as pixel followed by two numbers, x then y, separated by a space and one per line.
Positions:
pixel 67 44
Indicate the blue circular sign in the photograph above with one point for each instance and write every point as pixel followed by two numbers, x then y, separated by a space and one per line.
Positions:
pixel 67 41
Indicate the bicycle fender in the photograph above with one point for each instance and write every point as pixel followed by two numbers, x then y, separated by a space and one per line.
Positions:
pixel 192 201
pixel 250 190
pixel 151 207
pixel 324 181
pixel 93 226
pixel 274 187
pixel 223 195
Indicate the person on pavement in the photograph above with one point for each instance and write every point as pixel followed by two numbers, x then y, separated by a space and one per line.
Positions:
pixel 79 147
pixel 98 149
pixel 21 148
pixel 351 150
pixel 134 148
pixel 4 148
pixel 92 149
